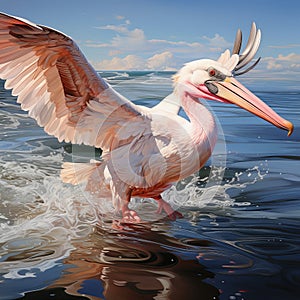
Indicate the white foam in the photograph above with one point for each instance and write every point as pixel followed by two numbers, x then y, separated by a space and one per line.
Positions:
pixel 38 210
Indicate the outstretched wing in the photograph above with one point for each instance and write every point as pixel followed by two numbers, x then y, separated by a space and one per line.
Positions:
pixel 57 86
pixel 236 61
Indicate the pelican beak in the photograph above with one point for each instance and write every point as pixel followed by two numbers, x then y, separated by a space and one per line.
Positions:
pixel 234 92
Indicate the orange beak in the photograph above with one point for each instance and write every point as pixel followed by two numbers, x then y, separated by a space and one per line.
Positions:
pixel 234 92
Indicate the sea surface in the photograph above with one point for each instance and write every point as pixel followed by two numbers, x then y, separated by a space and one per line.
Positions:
pixel 239 238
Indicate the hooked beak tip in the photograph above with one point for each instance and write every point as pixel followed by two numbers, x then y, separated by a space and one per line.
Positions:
pixel 290 127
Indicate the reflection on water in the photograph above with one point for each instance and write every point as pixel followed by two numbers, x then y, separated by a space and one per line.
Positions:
pixel 141 261
pixel 207 256
pixel 239 238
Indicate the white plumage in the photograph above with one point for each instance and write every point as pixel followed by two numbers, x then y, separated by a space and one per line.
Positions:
pixel 144 150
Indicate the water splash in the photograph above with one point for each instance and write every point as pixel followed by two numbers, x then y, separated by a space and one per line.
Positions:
pixel 213 191
pixel 41 217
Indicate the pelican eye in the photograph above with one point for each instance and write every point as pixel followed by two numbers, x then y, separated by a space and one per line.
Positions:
pixel 212 72
pixel 215 74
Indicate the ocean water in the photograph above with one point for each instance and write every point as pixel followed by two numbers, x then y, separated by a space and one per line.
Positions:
pixel 239 238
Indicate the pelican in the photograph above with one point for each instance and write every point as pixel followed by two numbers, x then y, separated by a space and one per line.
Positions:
pixel 145 150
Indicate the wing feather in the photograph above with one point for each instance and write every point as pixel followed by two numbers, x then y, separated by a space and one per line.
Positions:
pixel 58 87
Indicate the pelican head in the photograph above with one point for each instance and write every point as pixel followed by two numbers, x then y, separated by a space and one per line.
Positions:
pixel 215 80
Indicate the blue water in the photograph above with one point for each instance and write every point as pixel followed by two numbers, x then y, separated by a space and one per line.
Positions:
pixel 239 238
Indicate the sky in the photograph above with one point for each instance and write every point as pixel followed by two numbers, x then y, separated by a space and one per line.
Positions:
pixel 165 34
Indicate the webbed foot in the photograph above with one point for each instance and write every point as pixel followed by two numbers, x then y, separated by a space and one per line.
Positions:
pixel 130 216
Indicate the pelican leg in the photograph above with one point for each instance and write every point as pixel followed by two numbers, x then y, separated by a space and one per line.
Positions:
pixel 163 206
pixel 129 216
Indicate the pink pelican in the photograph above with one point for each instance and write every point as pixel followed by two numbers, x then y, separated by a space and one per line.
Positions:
pixel 145 150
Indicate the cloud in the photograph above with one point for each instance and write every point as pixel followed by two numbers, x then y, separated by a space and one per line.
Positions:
pixel 290 62
pixel 130 62
pixel 180 47
pixel 125 40
pixel 135 40
pixel 273 65
pixel 129 49
pixel 292 57
pixel 117 28
pixel 128 42
pixel 161 61
pixel 119 17
pixel 288 46
pixel 217 43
